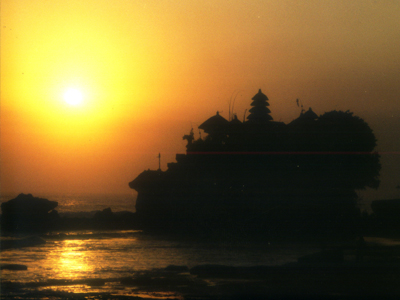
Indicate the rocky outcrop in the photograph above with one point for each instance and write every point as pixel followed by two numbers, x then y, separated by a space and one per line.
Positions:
pixel 107 219
pixel 20 243
pixel 13 267
pixel 26 213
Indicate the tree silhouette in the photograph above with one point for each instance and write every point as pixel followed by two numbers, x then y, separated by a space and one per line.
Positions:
pixel 351 142
pixel 335 159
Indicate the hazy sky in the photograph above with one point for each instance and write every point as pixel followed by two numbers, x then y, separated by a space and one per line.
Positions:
pixel 149 70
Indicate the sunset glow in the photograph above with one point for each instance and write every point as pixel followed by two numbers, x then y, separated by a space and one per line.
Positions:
pixel 73 97
pixel 212 149
pixel 144 73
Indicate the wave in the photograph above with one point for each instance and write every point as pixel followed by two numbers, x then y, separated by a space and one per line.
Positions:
pixel 84 204
pixel 89 214
pixel 91 234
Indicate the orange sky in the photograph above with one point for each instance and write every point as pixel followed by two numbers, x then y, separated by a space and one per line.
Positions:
pixel 148 70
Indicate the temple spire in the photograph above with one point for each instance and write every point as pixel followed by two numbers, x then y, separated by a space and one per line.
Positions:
pixel 259 113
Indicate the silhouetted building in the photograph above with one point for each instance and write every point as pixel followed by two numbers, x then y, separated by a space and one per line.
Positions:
pixel 264 176
pixel 259 113
pixel 215 127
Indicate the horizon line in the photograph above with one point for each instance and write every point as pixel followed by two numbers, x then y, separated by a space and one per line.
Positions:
pixel 293 152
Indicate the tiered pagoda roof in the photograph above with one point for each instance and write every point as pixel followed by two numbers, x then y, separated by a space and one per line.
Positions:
pixel 259 113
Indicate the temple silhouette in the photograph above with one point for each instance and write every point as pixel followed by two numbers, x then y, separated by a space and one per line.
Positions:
pixel 259 176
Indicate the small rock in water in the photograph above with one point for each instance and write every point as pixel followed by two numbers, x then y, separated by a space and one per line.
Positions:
pixel 174 268
pixel 14 267
pixel 95 282
pixel 25 242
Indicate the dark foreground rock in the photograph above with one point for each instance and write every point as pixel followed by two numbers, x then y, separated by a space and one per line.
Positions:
pixel 24 242
pixel 29 214
pixel 26 213
pixel 102 220
pixel 13 267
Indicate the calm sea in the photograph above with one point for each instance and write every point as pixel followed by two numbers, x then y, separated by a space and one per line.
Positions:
pixel 68 261
pixel 112 255
pixel 86 204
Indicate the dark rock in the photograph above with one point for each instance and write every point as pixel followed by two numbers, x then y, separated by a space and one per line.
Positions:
pixel 95 282
pixel 334 255
pixel 231 272
pixel 25 242
pixel 158 281
pixel 14 267
pixel 179 269
pixel 215 271
pixel 106 215
pixel 28 213
pixel 27 204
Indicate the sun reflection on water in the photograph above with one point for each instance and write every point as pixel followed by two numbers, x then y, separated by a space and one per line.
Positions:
pixel 72 259
pixel 99 261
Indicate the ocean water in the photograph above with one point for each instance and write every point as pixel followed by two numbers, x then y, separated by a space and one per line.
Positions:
pixel 69 260
pixel 86 204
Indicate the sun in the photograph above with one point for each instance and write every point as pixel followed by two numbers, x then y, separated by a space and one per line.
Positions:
pixel 73 96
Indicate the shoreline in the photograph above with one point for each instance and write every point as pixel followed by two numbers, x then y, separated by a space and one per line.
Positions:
pixel 291 281
pixel 321 275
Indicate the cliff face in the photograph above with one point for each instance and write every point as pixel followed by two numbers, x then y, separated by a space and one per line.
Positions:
pixel 264 175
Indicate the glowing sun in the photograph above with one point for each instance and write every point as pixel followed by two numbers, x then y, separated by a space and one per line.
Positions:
pixel 73 97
